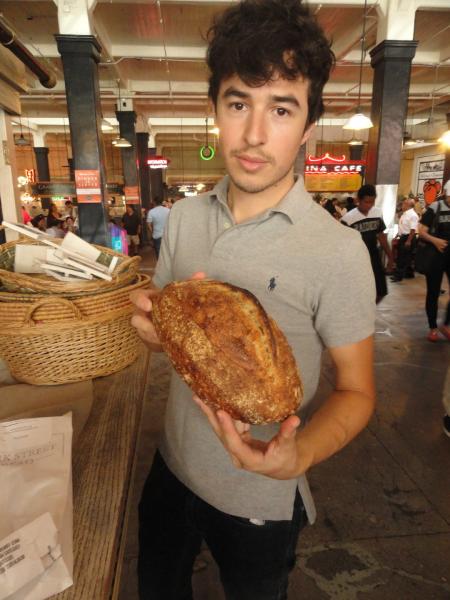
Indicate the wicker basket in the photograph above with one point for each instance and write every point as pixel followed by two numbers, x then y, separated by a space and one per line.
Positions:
pixel 14 307
pixel 73 349
pixel 124 273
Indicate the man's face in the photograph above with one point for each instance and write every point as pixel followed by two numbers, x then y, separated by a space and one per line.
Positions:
pixel 366 203
pixel 261 130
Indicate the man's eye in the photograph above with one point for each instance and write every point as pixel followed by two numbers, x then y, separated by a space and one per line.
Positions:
pixel 281 112
pixel 237 106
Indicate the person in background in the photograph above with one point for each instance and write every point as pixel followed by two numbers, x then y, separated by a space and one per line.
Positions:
pixel 408 226
pixel 25 216
pixel 53 211
pixel 70 210
pixel 69 225
pixel 132 225
pixel 39 222
pixel 244 491
pixel 156 221
pixel 368 220
pixel 441 263
pixel 446 403
pixel 54 227
pixel 350 203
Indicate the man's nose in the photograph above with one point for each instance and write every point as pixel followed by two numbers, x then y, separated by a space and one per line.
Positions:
pixel 255 129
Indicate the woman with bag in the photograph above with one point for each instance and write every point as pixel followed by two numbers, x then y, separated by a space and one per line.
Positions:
pixel 435 230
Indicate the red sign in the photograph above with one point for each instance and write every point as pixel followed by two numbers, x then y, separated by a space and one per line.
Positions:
pixel 332 164
pixel 87 183
pixel 132 194
pixel 158 162
pixel 30 174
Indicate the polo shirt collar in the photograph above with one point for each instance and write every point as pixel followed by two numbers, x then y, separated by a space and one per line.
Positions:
pixel 294 205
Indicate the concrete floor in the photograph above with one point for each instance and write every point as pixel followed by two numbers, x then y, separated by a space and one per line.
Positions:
pixel 383 528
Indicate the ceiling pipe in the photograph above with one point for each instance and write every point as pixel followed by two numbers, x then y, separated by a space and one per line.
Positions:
pixel 9 40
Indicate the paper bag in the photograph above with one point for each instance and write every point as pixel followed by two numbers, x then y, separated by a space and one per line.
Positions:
pixel 36 559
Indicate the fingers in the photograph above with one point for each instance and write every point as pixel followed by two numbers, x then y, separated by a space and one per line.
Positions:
pixel 198 275
pixel 141 299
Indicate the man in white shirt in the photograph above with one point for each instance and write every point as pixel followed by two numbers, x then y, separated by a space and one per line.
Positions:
pixel 156 221
pixel 407 229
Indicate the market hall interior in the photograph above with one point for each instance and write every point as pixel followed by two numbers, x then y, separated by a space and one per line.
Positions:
pixel 117 90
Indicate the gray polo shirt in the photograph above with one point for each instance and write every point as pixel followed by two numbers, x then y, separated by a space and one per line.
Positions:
pixel 312 275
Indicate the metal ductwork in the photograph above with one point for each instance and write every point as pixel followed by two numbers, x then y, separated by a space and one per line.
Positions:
pixel 9 40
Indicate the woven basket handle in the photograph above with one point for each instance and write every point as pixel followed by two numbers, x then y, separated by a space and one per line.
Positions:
pixel 28 319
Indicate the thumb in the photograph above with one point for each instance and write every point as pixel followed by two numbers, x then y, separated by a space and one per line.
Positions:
pixel 289 426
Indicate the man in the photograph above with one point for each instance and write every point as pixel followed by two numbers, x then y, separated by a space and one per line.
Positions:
pixel 245 492
pixel 407 229
pixel 368 220
pixel 156 221
pixel 132 226
pixel 434 228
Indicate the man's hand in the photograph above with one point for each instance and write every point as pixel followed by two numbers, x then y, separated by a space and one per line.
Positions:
pixel 440 244
pixel 142 320
pixel 340 418
pixel 279 458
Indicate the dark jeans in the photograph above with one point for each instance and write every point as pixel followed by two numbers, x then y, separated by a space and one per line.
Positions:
pixel 434 280
pixel 404 258
pixel 254 560
pixel 157 246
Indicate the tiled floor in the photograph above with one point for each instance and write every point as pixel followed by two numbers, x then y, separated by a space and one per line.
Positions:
pixel 383 528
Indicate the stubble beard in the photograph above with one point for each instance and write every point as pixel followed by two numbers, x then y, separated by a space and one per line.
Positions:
pixel 257 188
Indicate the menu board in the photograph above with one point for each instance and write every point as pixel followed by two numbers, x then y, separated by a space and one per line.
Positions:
pixel 333 182
pixel 333 174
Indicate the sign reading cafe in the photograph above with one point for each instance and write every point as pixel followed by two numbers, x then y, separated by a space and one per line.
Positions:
pixel 333 173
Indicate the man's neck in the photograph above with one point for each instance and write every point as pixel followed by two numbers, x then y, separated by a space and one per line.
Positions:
pixel 245 205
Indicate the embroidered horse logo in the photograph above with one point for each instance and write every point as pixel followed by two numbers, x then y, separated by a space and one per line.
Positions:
pixel 272 284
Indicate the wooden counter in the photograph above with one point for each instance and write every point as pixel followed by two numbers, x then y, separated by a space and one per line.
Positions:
pixel 103 463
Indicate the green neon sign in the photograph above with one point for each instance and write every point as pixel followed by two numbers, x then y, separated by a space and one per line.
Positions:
pixel 207 152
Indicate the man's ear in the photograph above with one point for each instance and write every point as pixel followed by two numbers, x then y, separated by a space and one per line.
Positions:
pixel 307 133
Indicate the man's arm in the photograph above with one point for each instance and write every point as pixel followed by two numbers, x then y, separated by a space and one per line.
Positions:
pixel 438 243
pixel 292 452
pixel 382 238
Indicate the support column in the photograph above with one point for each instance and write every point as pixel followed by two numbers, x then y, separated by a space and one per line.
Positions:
pixel 9 193
pixel 391 61
pixel 127 121
pixel 447 156
pixel 144 178
pixel 299 165
pixel 156 179
pixel 80 57
pixel 355 151
pixel 42 166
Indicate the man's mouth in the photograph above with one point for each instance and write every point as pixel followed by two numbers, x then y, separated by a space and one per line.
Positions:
pixel 251 163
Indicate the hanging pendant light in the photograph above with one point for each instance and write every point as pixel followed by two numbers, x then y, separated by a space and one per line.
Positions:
pixel 359 121
pixel 21 141
pixel 120 142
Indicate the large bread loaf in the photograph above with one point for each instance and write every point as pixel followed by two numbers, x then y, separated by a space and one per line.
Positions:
pixel 228 350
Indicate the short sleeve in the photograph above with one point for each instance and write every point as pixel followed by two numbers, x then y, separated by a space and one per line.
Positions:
pixel 414 221
pixel 382 226
pixel 346 305
pixel 149 217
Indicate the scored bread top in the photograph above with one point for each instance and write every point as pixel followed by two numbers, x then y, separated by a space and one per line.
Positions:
pixel 228 350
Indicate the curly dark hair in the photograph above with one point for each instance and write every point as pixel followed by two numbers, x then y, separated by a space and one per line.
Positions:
pixel 256 38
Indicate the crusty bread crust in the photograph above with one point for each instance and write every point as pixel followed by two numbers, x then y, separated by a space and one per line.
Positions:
pixel 228 350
